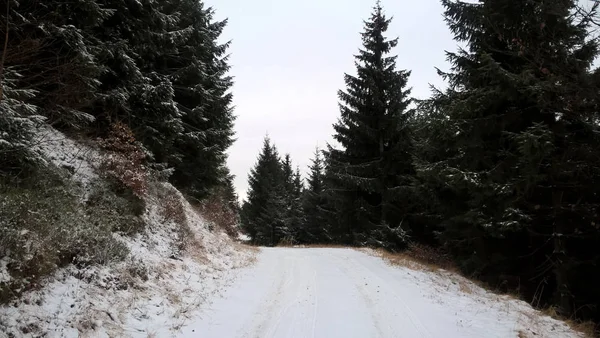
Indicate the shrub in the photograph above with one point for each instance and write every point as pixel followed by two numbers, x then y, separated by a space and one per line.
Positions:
pixel 217 211
pixel 125 159
pixel 430 256
pixel 45 226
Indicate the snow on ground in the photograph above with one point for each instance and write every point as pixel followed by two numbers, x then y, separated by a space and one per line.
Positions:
pixel 66 153
pixel 4 275
pixel 149 294
pixel 154 292
pixel 299 292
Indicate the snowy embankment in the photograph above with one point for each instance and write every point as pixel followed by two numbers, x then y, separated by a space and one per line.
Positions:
pixel 151 293
pixel 299 292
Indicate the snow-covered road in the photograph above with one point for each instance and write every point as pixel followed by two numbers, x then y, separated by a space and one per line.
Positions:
pixel 297 292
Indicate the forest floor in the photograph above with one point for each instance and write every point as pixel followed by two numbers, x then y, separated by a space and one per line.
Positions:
pixel 337 292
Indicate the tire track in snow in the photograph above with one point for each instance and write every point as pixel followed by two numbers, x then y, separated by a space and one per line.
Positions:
pixel 390 290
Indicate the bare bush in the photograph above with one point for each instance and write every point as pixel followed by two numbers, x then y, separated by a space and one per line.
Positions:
pixel 217 211
pixel 172 209
pixel 430 256
pixel 125 159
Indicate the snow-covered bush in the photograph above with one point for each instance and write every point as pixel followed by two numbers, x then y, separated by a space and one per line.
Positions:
pixel 44 226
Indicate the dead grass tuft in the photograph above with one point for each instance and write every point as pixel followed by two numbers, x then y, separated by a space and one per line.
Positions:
pixel 417 258
pixel 464 287
pixel 588 328
pixel 312 246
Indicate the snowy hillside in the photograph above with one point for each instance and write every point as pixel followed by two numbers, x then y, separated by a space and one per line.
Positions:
pixel 170 270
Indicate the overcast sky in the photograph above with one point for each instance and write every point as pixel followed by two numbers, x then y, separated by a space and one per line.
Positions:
pixel 289 57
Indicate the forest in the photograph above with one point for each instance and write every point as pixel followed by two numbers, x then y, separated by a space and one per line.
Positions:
pixel 499 172
pixel 143 84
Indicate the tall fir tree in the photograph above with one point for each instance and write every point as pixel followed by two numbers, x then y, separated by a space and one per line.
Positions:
pixel 203 92
pixel 156 66
pixel 509 156
pixel 264 211
pixel 372 170
pixel 313 203
pixel 292 197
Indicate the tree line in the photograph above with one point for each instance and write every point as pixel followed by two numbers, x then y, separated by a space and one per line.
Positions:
pixel 500 170
pixel 83 66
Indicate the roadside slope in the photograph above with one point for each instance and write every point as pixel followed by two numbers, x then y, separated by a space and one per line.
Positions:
pixel 294 292
pixel 172 263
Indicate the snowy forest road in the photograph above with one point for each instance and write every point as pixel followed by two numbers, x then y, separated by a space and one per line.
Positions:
pixel 329 292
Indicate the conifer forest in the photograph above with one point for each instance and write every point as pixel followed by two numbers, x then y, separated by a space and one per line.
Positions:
pixel 498 173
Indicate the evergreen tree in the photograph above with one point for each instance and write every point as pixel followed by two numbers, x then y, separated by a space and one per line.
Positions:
pixel 313 204
pixel 263 213
pixel 509 157
pixel 154 65
pixel 372 170
pixel 292 196
pixel 202 92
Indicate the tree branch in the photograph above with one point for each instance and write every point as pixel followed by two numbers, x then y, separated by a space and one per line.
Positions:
pixel 4 52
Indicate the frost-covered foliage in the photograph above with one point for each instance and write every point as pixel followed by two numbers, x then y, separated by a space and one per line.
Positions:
pixel 44 226
pixel 508 178
pixel 156 287
pixel 78 247
pixel 18 119
pixel 155 66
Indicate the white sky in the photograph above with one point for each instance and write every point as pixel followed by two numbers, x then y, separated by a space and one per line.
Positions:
pixel 289 58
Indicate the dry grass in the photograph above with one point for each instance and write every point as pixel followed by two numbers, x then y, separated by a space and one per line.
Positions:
pixel 464 287
pixel 313 246
pixel 417 258
pixel 587 328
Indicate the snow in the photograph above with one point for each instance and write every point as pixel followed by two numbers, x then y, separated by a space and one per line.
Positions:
pixel 4 275
pixel 212 290
pixel 154 292
pixel 112 301
pixel 66 153
pixel 303 292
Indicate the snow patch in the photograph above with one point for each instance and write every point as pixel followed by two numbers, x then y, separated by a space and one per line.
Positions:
pixel 4 275
pixel 80 160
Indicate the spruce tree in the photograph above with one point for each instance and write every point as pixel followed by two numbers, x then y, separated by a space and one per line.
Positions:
pixel 292 198
pixel 313 229
pixel 202 92
pixel 509 157
pixel 372 170
pixel 263 213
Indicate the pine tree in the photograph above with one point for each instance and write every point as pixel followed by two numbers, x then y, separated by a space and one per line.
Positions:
pixel 263 213
pixel 510 150
pixel 371 172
